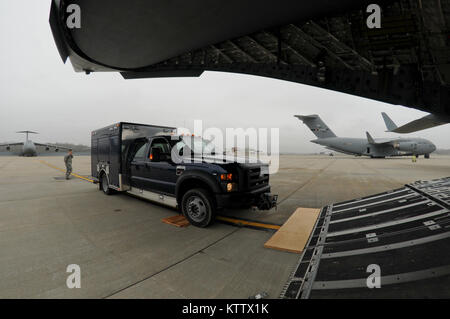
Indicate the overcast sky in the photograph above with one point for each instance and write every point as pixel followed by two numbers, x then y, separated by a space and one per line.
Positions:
pixel 40 93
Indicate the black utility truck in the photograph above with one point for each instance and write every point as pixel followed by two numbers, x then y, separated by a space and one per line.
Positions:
pixel 152 162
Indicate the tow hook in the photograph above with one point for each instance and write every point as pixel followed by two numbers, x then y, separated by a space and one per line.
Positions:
pixel 267 201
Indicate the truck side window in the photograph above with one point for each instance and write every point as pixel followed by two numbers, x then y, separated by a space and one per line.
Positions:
pixel 140 152
pixel 163 145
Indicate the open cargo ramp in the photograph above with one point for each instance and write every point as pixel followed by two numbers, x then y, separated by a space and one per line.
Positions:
pixel 406 232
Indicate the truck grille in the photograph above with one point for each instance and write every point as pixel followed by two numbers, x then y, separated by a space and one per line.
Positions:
pixel 255 179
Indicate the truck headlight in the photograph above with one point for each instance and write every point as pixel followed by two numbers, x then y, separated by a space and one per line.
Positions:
pixel 231 187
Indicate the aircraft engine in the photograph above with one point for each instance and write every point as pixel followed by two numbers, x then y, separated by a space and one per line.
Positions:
pixel 405 146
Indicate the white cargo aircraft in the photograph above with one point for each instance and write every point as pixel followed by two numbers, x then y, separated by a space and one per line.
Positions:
pixel 29 148
pixel 375 148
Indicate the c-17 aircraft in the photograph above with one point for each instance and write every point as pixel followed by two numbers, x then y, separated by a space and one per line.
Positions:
pixel 374 148
pixel 29 148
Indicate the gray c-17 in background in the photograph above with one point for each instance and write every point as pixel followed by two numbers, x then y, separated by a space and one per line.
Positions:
pixel 29 148
pixel 428 121
pixel 374 148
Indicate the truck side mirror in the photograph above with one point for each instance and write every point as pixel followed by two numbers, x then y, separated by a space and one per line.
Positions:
pixel 155 154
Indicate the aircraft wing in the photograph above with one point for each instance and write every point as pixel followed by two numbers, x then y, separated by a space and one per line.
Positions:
pixel 42 148
pixel 423 123
pixel 380 141
pixel 10 147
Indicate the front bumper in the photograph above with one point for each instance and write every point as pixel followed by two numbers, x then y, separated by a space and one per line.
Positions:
pixel 261 198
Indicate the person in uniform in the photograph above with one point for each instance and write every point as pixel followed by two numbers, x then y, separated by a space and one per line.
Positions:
pixel 68 161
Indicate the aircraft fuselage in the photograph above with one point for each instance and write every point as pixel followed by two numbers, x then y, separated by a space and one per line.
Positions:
pixel 361 147
pixel 28 149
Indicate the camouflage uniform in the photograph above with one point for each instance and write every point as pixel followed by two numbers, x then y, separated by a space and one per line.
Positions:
pixel 68 162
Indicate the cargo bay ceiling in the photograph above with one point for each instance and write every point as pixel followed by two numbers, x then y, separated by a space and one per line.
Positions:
pixel 323 43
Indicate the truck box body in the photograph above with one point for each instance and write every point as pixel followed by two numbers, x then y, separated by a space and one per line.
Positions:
pixel 109 147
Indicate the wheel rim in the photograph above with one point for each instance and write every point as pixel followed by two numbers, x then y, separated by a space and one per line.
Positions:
pixel 196 209
pixel 105 184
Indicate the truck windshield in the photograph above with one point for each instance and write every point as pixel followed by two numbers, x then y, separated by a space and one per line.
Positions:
pixel 196 144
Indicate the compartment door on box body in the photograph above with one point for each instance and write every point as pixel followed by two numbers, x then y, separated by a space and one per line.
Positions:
pixel 94 157
pixel 103 150
pixel 114 160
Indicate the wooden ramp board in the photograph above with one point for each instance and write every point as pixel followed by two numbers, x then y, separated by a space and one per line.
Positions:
pixel 177 220
pixel 295 232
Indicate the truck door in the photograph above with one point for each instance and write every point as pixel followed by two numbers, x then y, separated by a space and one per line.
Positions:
pixel 139 170
pixel 163 172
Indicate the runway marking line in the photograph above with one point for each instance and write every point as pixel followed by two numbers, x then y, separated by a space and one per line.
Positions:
pixel 181 221
pixel 239 222
pixel 62 170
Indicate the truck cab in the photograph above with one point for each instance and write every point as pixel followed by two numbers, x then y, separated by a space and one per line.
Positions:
pixel 185 172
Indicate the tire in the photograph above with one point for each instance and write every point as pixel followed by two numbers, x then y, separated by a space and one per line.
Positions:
pixel 427 156
pixel 104 185
pixel 198 206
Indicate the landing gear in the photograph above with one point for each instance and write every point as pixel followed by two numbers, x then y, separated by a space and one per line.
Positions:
pixel 427 156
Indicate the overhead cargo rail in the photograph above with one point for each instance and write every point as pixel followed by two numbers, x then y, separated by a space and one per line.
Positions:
pixel 324 43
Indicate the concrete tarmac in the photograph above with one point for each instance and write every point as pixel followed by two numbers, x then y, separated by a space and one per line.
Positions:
pixel 315 181
pixel 125 251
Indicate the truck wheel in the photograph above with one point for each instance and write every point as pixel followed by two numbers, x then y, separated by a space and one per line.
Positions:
pixel 198 207
pixel 104 186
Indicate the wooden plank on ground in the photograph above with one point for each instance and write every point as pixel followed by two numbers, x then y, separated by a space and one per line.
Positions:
pixel 177 220
pixel 295 232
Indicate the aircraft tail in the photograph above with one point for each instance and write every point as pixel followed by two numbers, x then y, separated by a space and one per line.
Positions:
pixel 370 138
pixel 27 132
pixel 390 125
pixel 317 126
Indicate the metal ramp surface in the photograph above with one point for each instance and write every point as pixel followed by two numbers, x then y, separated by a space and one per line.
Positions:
pixel 404 232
